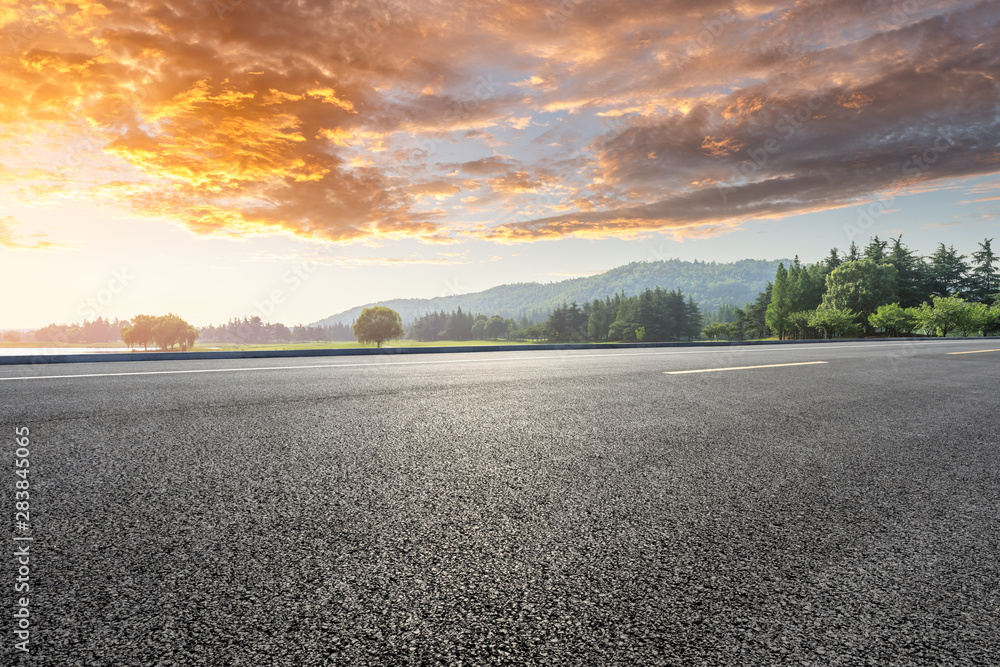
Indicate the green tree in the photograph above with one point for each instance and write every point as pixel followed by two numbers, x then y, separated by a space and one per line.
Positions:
pixel 798 324
pixel 993 324
pixel 876 250
pixel 378 324
pixel 834 321
pixel 948 272
pixel 984 279
pixel 911 272
pixel 756 314
pixel 861 286
pixel 738 327
pixel 716 330
pixel 479 330
pixel 894 319
pixel 496 326
pixel 832 260
pixel 942 316
pixel 780 306
pixel 974 319
pixel 11 337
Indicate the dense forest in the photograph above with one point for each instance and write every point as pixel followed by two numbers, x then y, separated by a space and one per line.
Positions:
pixel 654 315
pixel 709 284
pixel 884 289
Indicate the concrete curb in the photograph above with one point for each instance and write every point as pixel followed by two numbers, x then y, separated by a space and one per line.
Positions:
pixel 98 357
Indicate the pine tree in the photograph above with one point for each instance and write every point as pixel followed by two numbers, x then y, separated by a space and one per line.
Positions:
pixel 876 250
pixel 780 306
pixel 911 272
pixel 985 280
pixel 948 272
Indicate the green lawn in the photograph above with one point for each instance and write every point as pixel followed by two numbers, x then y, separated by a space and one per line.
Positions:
pixel 339 346
pixel 318 345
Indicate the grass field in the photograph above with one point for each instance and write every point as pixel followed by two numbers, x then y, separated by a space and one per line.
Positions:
pixel 318 345
pixel 342 345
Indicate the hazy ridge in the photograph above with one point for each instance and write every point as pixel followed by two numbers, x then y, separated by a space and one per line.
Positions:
pixel 710 284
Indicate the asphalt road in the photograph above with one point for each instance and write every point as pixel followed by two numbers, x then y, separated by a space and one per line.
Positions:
pixel 578 508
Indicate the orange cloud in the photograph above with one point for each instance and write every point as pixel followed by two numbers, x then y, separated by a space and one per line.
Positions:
pixel 11 240
pixel 341 121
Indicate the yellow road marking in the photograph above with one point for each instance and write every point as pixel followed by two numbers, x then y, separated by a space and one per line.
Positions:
pixel 974 351
pixel 741 368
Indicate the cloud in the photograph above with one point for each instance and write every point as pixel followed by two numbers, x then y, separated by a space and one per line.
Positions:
pixel 11 240
pixel 352 121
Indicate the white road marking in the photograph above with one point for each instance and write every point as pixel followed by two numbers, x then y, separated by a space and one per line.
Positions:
pixel 725 349
pixel 743 368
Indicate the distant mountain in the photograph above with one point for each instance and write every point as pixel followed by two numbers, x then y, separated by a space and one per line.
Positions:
pixel 710 284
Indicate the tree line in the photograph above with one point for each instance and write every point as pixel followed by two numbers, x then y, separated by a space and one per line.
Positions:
pixel 653 315
pixel 101 330
pixel 884 289
pixel 255 330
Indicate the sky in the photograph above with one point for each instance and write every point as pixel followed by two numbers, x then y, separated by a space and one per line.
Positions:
pixel 292 159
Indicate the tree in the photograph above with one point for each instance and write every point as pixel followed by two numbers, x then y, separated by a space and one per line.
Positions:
pixel 832 260
pixel 894 319
pixel 942 316
pixel 974 319
pixel 861 286
pixel 984 279
pixel 756 314
pixel 911 272
pixel 993 324
pixel 834 321
pixel 876 250
pixel 378 324
pixel 479 330
pixel 140 332
pixel 780 306
pixel 11 337
pixel 496 326
pixel 716 330
pixel 948 272
pixel 165 331
pixel 798 324
pixel 738 327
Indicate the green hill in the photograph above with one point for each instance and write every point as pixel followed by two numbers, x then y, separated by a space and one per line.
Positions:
pixel 710 284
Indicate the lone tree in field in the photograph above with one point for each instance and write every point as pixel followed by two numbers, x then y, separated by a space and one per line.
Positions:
pixel 377 325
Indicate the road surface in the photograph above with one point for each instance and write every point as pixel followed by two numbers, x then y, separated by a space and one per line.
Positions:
pixel 835 504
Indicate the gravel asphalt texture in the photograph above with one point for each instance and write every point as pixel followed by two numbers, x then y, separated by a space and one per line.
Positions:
pixel 548 508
